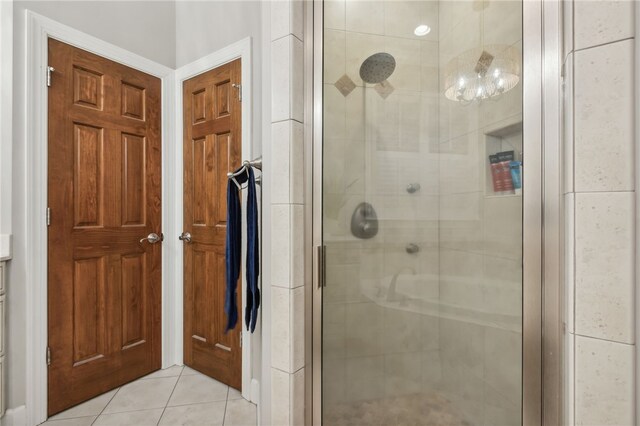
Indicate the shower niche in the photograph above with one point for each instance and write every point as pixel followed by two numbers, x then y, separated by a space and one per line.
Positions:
pixel 503 149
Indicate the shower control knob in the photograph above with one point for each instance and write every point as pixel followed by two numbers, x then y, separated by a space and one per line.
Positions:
pixel 412 248
pixel 413 188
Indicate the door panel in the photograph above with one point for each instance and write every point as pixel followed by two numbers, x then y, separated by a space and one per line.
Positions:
pixel 212 145
pixel 104 286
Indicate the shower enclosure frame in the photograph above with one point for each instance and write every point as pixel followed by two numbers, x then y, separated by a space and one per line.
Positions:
pixel 541 249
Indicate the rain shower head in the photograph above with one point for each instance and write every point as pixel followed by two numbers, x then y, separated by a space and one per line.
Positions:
pixel 377 68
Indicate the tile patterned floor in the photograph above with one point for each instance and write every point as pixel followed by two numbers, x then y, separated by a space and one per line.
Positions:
pixel 175 396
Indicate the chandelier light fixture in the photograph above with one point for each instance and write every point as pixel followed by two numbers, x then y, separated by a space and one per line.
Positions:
pixel 485 72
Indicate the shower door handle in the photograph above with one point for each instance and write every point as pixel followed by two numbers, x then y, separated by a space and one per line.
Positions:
pixel 320 261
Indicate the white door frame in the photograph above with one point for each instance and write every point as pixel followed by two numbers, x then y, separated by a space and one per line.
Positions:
pixel 238 50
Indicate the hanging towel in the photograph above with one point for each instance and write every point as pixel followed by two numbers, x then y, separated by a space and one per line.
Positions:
pixel 233 251
pixel 253 255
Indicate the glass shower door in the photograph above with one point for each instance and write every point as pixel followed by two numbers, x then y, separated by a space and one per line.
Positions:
pixel 422 212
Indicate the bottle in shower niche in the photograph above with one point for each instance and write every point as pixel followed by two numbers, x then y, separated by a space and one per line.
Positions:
pixel 501 171
pixel 495 173
pixel 505 159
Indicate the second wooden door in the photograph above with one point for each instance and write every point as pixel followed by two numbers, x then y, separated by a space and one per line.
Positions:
pixel 212 147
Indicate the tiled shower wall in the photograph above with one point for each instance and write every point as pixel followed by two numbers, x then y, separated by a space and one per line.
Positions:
pixel 599 203
pixel 480 231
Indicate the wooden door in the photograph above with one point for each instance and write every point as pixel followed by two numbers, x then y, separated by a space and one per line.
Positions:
pixel 104 285
pixel 212 147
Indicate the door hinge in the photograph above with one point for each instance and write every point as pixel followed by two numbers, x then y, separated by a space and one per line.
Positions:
pixel 48 355
pixel 239 87
pixel 240 339
pixel 48 216
pixel 50 69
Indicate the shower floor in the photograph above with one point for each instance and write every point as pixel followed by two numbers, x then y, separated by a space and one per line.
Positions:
pixel 416 409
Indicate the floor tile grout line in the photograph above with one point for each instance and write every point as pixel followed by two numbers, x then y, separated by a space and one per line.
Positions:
pixel 166 405
pixel 169 399
pixel 129 411
pixel 195 403
pixel 106 405
pixel 226 404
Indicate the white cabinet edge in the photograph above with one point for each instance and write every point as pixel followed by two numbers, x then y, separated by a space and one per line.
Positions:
pixel 5 247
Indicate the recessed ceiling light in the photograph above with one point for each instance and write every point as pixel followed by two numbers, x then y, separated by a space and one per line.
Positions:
pixel 422 30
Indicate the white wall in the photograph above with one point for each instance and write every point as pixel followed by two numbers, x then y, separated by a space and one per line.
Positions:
pixel 145 28
pixel 203 27
pixel 600 211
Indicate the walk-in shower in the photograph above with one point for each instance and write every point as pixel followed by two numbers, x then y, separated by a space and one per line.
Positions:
pixel 422 137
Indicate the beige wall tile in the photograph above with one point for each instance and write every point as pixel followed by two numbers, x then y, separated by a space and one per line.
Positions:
pixel 280 398
pixel 461 278
pixel 286 18
pixel 502 286
pixel 334 382
pixel 297 80
pixel 402 17
pixel 503 22
pixel 334 14
pixel 567 31
pixel 364 330
pixel 569 259
pixel 569 402
pixel 296 163
pixel 297 397
pixel 604 383
pixel 335 46
pixel 365 17
pixel 503 362
pixel 604 265
pixel 503 227
pixel 287 94
pixel 599 22
pixel 402 331
pixel 281 336
pixel 280 162
pixel 365 377
pixel 296 323
pixel 604 131
pixel 402 374
pixel 281 245
pixel 281 79
pixel 567 125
